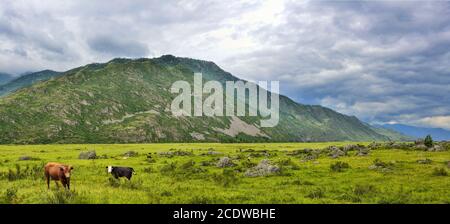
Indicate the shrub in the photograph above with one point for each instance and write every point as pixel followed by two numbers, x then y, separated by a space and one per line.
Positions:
pixel 33 172
pixel 316 193
pixel 440 172
pixel 247 164
pixel 131 154
pixel 9 197
pixel 339 166
pixel 380 165
pixel 226 178
pixel 166 193
pixel 362 189
pixel 168 168
pixel 148 170
pixel 113 182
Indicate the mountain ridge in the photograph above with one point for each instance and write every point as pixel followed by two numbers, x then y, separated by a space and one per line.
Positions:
pixel 438 134
pixel 128 101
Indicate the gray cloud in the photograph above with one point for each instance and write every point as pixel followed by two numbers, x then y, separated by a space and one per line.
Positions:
pixel 116 47
pixel 383 61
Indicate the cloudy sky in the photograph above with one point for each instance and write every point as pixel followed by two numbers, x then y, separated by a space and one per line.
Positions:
pixel 384 62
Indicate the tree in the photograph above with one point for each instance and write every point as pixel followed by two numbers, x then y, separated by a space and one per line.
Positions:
pixel 428 141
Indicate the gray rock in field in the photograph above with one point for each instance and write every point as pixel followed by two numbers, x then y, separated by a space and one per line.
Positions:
pixel 88 155
pixel 264 168
pixel 335 152
pixel 448 164
pixel 421 147
pixel 23 158
pixel 363 152
pixel 130 154
pixel 212 153
pixel 424 161
pixel 224 162
pixel 438 148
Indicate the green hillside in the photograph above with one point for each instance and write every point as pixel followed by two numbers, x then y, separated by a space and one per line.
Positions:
pixel 26 80
pixel 128 101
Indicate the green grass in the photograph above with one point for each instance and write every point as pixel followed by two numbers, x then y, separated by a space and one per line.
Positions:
pixel 194 178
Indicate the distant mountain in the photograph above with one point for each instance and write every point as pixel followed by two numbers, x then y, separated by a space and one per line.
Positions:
pixel 4 78
pixel 438 134
pixel 128 101
pixel 26 80
pixel 392 134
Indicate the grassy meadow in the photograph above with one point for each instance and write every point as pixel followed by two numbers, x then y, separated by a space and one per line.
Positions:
pixel 188 173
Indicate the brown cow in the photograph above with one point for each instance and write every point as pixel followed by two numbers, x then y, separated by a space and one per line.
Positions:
pixel 58 171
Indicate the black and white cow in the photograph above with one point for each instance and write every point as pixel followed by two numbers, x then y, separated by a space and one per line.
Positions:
pixel 118 171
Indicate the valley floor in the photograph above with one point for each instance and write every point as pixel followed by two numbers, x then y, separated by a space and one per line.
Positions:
pixel 189 173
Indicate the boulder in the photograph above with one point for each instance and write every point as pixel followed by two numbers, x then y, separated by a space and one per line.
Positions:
pixel 421 147
pixel 224 162
pixel 424 161
pixel 264 168
pixel 363 152
pixel 130 154
pixel 335 152
pixel 24 158
pixel 88 155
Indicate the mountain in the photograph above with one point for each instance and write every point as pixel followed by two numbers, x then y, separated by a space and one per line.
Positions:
pixel 4 78
pixel 128 101
pixel 392 134
pixel 26 80
pixel 438 134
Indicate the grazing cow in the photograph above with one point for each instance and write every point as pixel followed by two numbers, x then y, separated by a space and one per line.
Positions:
pixel 58 172
pixel 118 171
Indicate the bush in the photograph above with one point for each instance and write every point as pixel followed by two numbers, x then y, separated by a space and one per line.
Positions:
pixel 113 182
pixel 33 172
pixel 131 154
pixel 65 197
pixel 9 197
pixel 226 178
pixel 428 141
pixel 382 166
pixel 168 168
pixel 316 193
pixel 339 166
pixel 440 172
pixel 88 155
pixel 362 189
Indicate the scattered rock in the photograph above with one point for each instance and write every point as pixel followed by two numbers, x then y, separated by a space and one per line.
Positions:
pixel 363 152
pixel 424 161
pixel 350 148
pixel 381 166
pixel 421 147
pixel 24 158
pixel 264 168
pixel 175 153
pixel 299 152
pixel 374 145
pixel 213 153
pixel 88 155
pixel 448 164
pixel 130 154
pixel 335 152
pixel 436 148
pixel 225 162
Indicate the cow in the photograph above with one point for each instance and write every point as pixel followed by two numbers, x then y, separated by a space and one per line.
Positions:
pixel 58 172
pixel 118 171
